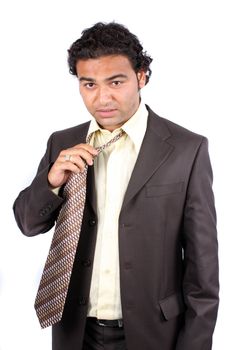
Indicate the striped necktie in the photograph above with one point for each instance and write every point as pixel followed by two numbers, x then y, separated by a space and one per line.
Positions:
pixel 54 284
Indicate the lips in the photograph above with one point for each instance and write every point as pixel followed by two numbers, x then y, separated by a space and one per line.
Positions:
pixel 108 112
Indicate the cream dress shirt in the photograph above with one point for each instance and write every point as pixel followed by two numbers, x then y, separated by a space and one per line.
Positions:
pixel 113 168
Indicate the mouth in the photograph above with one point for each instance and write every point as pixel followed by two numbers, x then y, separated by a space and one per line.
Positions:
pixel 106 112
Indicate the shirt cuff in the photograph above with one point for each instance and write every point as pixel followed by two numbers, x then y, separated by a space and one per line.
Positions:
pixel 55 190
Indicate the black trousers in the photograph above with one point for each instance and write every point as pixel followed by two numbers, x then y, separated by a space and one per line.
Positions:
pixel 103 337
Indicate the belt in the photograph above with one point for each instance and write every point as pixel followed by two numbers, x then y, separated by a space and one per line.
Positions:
pixel 108 323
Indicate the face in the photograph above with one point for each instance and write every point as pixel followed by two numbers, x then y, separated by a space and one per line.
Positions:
pixel 110 89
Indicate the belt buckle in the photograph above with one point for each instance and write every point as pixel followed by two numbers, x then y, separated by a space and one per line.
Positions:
pixel 102 323
pixel 120 323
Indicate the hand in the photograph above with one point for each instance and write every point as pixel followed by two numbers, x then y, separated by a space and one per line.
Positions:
pixel 79 156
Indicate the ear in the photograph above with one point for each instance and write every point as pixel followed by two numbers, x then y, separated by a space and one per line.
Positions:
pixel 141 76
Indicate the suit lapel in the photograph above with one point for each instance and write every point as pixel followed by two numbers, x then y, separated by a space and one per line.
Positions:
pixel 153 153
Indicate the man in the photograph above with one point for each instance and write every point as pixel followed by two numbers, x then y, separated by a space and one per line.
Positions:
pixel 145 273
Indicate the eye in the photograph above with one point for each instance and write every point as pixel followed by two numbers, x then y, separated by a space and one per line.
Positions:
pixel 116 83
pixel 89 85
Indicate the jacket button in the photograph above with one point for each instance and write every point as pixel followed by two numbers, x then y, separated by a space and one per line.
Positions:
pixel 86 263
pixel 92 222
pixel 127 265
pixel 46 210
pixel 82 301
pixel 42 212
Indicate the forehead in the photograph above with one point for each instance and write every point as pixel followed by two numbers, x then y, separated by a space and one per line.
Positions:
pixel 104 66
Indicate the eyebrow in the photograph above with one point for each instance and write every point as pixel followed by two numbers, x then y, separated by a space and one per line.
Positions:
pixel 107 79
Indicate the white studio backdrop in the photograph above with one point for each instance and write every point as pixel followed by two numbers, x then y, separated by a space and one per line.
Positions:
pixel 191 84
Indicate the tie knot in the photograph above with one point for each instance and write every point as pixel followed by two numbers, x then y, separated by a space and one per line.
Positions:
pixel 109 143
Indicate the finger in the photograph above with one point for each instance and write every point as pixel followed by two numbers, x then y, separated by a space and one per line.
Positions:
pixel 84 146
pixel 84 155
pixel 78 162
pixel 69 166
pixel 75 155
pixel 60 172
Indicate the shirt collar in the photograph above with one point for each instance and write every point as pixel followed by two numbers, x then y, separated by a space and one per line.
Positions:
pixel 135 127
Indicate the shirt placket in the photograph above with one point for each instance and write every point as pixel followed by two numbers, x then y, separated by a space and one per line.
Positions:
pixel 109 252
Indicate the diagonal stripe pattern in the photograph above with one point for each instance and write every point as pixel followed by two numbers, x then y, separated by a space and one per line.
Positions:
pixel 53 288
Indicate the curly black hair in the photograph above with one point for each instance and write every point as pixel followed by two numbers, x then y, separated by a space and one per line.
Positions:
pixel 104 39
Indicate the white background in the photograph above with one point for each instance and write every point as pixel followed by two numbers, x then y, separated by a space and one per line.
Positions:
pixel 191 43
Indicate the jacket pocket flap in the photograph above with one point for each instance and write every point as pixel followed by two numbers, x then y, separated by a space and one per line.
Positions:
pixel 172 306
pixel 165 189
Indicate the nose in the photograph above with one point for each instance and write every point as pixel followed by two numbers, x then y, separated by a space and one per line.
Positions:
pixel 104 96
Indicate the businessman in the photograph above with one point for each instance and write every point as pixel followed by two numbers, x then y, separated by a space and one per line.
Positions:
pixel 144 266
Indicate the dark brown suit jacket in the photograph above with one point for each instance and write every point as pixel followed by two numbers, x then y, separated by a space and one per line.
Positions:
pixel 167 241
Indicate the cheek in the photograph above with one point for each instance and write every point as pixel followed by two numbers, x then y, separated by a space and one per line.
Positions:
pixel 86 99
pixel 128 96
pixel 131 98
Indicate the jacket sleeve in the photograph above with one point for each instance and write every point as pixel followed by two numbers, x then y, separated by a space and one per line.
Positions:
pixel 36 208
pixel 200 283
